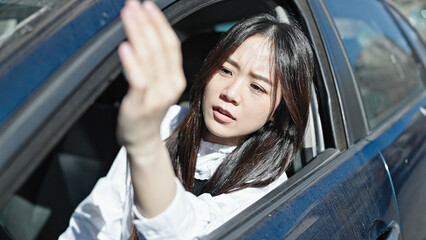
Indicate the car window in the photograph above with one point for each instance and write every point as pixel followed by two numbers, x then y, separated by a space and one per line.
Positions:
pixel 198 39
pixel 382 60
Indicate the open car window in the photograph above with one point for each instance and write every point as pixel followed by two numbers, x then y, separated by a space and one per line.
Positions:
pixel 199 33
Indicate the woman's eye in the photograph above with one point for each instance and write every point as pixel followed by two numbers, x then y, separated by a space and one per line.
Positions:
pixel 225 71
pixel 257 88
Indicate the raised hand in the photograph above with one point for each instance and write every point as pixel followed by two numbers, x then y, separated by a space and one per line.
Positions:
pixel 152 60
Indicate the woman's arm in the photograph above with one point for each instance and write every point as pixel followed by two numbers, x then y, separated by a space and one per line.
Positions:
pixel 153 62
pixel 189 216
pixel 105 212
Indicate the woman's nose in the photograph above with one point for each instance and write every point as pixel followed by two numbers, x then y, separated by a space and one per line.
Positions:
pixel 232 93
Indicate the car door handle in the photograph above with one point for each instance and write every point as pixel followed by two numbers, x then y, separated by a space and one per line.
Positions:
pixel 379 231
pixel 392 232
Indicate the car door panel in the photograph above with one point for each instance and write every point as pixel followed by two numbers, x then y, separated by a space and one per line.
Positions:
pixel 341 204
pixel 340 200
pixel 404 148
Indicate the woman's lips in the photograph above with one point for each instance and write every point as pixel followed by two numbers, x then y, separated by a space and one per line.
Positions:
pixel 222 115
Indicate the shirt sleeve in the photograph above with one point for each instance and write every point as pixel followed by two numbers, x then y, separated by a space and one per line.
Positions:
pixel 105 213
pixel 100 215
pixel 189 216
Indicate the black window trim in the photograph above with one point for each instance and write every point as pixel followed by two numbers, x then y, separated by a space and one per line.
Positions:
pixel 329 97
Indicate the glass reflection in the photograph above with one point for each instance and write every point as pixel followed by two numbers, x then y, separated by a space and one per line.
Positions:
pixel 382 61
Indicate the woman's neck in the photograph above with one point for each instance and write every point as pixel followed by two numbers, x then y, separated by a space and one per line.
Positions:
pixel 228 141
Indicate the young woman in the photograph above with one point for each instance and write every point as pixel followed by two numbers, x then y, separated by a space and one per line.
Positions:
pixel 247 117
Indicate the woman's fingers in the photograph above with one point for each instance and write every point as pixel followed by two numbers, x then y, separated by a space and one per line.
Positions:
pixel 152 39
pixel 170 44
pixel 142 34
pixel 133 19
pixel 152 58
pixel 169 40
pixel 151 32
pixel 153 63
pixel 132 66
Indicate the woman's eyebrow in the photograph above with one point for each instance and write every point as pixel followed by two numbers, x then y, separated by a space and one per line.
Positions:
pixel 233 63
pixel 261 78
pixel 254 75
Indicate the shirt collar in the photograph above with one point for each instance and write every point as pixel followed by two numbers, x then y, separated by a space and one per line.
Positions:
pixel 210 156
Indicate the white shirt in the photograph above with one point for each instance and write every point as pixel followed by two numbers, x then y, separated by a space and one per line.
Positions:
pixel 108 212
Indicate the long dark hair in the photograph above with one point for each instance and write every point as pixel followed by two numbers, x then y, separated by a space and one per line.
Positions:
pixel 266 153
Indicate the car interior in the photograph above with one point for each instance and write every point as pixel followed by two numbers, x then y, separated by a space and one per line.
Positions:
pixel 43 205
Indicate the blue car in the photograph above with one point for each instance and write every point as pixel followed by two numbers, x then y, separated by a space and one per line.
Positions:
pixel 359 175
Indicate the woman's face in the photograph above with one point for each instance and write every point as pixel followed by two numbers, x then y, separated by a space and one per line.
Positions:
pixel 238 99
